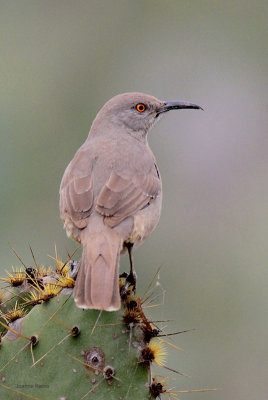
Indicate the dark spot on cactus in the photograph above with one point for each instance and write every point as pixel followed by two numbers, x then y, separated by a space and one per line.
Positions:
pixel 131 317
pixel 149 332
pixel 146 356
pixel 132 304
pixel 34 340
pixel 15 278
pixel 15 313
pixel 32 278
pixel 31 273
pixel 75 331
pixel 95 359
pixel 108 372
pixel 156 388
pixel 16 283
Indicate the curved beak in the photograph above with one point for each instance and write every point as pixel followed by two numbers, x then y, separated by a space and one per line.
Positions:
pixel 176 105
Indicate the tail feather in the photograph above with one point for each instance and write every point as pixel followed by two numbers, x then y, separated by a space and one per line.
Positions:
pixel 97 282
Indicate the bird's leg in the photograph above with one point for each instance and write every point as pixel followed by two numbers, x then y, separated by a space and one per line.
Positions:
pixel 132 277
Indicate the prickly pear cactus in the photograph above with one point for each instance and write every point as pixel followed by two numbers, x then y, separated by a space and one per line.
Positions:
pixel 50 349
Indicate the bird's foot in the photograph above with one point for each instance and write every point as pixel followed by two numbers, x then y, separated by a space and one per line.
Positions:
pixel 130 284
pixel 132 280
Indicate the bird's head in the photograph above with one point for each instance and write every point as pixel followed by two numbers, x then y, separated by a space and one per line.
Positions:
pixel 138 112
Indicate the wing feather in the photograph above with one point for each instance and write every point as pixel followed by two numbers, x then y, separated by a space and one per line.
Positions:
pixel 76 191
pixel 124 195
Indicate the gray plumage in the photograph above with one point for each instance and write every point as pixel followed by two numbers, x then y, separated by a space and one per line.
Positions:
pixel 111 193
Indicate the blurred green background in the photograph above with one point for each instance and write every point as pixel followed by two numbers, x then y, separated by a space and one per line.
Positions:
pixel 59 62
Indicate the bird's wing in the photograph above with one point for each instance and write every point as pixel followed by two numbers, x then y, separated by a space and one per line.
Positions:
pixel 123 195
pixel 76 191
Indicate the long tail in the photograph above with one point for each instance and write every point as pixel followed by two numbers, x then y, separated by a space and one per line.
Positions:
pixel 97 281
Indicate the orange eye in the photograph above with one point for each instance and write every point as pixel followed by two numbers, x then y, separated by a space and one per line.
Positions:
pixel 140 107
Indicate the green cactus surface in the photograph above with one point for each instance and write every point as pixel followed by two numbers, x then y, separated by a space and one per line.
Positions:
pixel 57 367
pixel 50 349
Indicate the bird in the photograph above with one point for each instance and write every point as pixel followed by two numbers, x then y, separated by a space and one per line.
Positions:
pixel 111 194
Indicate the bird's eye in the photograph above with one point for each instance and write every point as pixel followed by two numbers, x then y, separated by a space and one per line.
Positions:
pixel 140 107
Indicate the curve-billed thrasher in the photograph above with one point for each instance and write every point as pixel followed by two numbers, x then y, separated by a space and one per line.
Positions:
pixel 110 194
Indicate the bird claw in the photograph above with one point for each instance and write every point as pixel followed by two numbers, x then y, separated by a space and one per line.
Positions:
pixel 130 282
